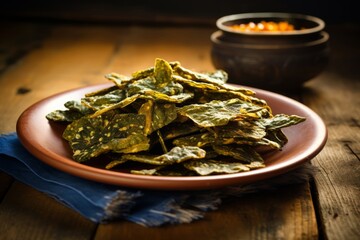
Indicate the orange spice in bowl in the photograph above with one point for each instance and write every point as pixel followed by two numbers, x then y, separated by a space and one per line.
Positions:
pixel 263 26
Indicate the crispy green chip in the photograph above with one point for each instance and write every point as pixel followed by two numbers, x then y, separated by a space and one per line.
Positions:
pixel 162 72
pixel 152 171
pixel 158 96
pixel 75 110
pixel 104 101
pixel 77 106
pixel 115 163
pixel 209 167
pixel 123 103
pixel 142 85
pixel 243 153
pixel 165 171
pixel 64 115
pixel 91 136
pixel 157 115
pixel 199 140
pixel 281 121
pixel 179 129
pixel 162 115
pixel 119 80
pixel 277 136
pixel 200 77
pixel 180 154
pixel 247 130
pixel 216 113
pixel 193 84
pixel 175 155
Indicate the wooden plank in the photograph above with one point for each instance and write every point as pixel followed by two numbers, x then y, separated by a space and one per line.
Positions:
pixel 28 214
pixel 286 213
pixel 338 191
pixel 335 97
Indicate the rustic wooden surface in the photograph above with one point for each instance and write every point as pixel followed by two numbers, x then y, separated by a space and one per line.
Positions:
pixel 38 60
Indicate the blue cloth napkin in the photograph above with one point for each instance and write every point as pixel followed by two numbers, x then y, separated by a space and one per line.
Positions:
pixel 102 203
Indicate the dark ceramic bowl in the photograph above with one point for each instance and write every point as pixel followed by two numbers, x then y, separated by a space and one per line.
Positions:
pixel 271 60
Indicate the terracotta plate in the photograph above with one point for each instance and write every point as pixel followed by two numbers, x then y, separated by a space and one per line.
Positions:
pixel 44 141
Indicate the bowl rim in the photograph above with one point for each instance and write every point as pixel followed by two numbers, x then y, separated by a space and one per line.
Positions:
pixel 324 38
pixel 320 23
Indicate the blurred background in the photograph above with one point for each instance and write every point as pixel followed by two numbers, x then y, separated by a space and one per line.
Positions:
pixel 170 12
pixel 25 24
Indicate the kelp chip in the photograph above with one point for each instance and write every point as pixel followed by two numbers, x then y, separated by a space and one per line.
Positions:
pixel 180 154
pixel 64 116
pixel 123 103
pixel 177 154
pixel 217 79
pixel 104 101
pixel 178 129
pixel 75 110
pixel 177 171
pixel 159 96
pixel 162 72
pixel 149 83
pixel 209 167
pixel 89 137
pixel 243 153
pixel 162 115
pixel 215 113
pixel 247 130
pixel 198 139
pixel 281 121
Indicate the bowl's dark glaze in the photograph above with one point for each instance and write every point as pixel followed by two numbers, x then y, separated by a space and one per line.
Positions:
pixel 271 60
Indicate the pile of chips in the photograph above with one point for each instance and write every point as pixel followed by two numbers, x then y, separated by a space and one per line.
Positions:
pixel 169 120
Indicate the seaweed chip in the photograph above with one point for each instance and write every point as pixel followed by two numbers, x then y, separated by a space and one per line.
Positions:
pixel 170 120
pixel 91 136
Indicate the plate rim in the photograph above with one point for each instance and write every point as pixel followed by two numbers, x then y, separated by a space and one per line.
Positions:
pixel 173 183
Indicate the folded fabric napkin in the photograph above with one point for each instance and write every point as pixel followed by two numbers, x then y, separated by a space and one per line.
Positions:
pixel 102 203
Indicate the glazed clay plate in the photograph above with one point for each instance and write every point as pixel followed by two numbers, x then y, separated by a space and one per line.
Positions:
pixel 43 139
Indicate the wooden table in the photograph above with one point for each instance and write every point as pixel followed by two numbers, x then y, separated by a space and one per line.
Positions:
pixel 38 60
